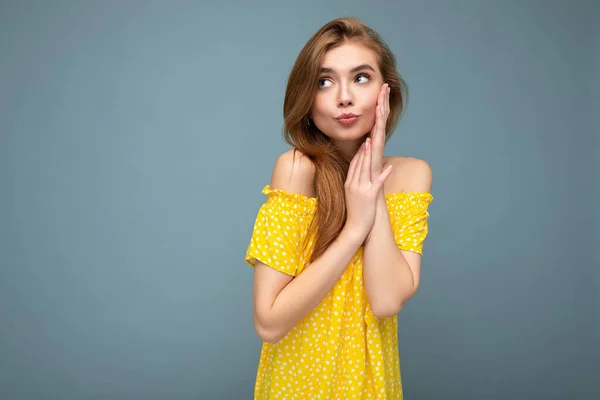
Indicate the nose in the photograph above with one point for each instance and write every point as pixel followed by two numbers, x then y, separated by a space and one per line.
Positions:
pixel 345 96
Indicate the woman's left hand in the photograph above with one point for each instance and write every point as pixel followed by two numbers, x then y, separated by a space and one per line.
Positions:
pixel 377 135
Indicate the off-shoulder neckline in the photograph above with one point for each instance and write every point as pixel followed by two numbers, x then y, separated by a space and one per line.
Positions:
pixel 267 189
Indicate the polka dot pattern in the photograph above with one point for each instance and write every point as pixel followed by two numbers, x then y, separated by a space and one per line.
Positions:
pixel 340 350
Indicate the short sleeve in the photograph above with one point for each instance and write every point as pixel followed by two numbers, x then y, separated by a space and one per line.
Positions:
pixel 279 230
pixel 409 218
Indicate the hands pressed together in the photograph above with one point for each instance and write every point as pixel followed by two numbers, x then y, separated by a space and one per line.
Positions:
pixel 366 175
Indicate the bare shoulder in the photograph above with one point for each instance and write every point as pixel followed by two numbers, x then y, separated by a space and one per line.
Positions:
pixel 409 175
pixel 294 172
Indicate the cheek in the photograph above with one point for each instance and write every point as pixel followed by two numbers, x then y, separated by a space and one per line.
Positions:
pixel 370 108
pixel 372 100
pixel 318 107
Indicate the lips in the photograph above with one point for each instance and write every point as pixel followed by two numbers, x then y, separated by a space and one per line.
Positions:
pixel 347 119
pixel 347 116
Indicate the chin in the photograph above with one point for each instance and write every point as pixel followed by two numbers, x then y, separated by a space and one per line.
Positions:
pixel 352 134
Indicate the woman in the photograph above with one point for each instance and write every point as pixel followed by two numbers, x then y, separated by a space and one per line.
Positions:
pixel 337 245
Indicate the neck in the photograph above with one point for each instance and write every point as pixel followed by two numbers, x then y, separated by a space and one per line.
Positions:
pixel 350 147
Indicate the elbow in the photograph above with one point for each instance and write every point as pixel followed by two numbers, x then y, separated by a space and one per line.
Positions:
pixel 387 310
pixel 266 334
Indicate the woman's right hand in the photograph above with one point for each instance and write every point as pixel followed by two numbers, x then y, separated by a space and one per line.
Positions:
pixel 361 193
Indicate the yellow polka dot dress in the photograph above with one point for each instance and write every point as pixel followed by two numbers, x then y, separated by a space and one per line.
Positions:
pixel 340 350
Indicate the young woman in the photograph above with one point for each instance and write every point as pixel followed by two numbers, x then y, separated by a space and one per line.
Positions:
pixel 337 245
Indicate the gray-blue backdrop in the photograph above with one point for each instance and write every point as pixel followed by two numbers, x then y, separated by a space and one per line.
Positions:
pixel 135 139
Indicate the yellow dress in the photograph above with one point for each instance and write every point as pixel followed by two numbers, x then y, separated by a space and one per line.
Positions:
pixel 340 350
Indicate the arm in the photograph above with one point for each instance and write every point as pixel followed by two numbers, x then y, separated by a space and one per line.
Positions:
pixel 281 301
pixel 391 276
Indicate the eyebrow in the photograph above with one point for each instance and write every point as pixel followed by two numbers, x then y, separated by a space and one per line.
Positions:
pixel 326 70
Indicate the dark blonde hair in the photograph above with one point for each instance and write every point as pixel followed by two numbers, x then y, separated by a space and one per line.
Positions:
pixel 300 133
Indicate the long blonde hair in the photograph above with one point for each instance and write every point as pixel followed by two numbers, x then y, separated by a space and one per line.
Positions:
pixel 300 133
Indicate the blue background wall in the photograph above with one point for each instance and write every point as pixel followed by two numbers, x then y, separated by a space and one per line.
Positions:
pixel 136 136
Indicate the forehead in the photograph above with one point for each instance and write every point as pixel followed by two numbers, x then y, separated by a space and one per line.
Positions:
pixel 349 55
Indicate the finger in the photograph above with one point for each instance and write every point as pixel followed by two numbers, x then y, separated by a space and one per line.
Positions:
pixel 384 113
pixel 373 133
pixel 352 167
pixel 378 109
pixel 357 170
pixel 378 138
pixel 381 178
pixel 375 159
pixel 387 101
pixel 365 172
pixel 380 124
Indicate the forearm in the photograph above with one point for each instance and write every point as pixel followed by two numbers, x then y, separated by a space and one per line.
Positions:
pixel 388 279
pixel 304 293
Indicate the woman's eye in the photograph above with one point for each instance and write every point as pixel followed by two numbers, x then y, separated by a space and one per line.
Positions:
pixel 323 81
pixel 364 76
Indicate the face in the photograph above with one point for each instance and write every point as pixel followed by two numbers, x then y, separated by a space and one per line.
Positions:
pixel 349 83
